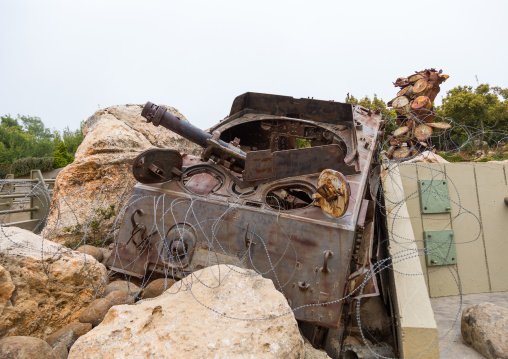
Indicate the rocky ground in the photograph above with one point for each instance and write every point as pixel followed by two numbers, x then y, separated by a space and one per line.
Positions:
pixel 215 311
pixel 43 285
pixel 50 310
pixel 448 318
pixel 59 302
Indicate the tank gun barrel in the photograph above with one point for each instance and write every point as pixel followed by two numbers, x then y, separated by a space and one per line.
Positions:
pixel 159 116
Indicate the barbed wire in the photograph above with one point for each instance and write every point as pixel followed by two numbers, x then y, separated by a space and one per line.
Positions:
pixel 166 217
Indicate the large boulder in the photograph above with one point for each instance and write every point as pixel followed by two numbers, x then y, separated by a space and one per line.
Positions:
pixel 43 285
pixel 484 326
pixel 194 319
pixel 101 174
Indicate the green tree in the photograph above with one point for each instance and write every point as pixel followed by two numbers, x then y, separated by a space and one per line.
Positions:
pixel 376 104
pixel 32 139
pixel 8 122
pixel 25 140
pixel 73 139
pixel 35 127
pixel 480 114
pixel 61 157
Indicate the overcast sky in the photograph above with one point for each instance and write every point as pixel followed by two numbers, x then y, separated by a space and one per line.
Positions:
pixel 62 60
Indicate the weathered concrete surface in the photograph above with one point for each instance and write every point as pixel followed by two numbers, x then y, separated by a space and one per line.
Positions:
pixel 478 221
pixel 446 312
pixel 416 327
pixel 194 323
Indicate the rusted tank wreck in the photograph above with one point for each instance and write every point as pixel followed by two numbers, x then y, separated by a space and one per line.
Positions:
pixel 282 187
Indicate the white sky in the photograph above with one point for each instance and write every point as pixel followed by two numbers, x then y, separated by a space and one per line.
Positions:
pixel 62 60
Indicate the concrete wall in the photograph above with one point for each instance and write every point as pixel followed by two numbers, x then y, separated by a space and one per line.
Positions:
pixel 478 217
pixel 416 327
pixel 30 219
pixel 49 174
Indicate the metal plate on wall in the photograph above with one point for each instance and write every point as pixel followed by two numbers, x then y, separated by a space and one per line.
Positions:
pixel 434 196
pixel 440 248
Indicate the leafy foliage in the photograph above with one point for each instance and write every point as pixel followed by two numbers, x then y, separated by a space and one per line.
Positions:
pixel 480 120
pixel 61 157
pixel 96 236
pixel 480 114
pixel 73 139
pixel 377 104
pixel 302 143
pixel 27 137
pixel 23 166
pixel 451 157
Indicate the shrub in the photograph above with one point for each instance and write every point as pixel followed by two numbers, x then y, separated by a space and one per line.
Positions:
pixel 23 166
pixel 61 157
pixel 98 233
pixel 5 169
pixel 499 156
pixel 450 157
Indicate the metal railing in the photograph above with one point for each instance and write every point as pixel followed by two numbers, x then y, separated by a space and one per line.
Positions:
pixel 31 197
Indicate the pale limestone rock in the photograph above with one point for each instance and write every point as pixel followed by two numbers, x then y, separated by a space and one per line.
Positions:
pixel 6 286
pixel 427 157
pixel 180 323
pixel 484 326
pixel 43 285
pixel 101 174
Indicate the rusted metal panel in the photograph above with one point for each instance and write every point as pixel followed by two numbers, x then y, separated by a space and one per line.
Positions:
pixel 287 251
pixel 266 165
pixel 249 201
pixel 156 165
pixel 317 110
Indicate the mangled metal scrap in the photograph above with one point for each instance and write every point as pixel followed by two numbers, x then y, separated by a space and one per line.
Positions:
pixel 415 114
pixel 288 179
